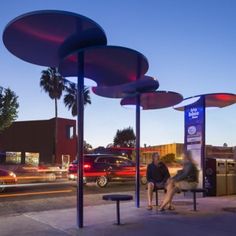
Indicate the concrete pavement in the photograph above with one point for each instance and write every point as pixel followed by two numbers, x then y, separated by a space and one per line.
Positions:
pixel 210 219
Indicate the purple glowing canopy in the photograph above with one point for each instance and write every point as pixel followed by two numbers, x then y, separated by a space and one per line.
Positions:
pixel 219 100
pixel 143 84
pixel 107 65
pixel 44 37
pixel 154 100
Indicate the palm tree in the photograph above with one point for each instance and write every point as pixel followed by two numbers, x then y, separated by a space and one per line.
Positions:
pixel 70 98
pixel 53 84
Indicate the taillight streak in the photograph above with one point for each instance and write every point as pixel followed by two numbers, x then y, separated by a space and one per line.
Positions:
pixel 87 166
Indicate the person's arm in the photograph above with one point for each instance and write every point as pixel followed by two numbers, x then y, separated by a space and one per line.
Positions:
pixel 149 174
pixel 183 173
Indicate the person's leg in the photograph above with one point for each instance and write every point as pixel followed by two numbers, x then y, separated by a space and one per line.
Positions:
pixel 187 185
pixel 150 193
pixel 170 205
pixel 170 191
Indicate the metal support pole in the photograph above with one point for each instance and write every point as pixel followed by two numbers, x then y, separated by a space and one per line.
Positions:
pixel 80 139
pixel 156 192
pixel 203 150
pixel 194 201
pixel 137 174
pixel 118 212
pixel 137 182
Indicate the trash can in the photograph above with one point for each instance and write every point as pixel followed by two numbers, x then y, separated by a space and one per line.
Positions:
pixel 231 177
pixel 215 177
pixel 221 178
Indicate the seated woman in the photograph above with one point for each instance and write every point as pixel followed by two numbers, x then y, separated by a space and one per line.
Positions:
pixel 157 175
pixel 187 178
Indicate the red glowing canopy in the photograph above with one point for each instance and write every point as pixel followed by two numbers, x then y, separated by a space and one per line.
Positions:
pixel 144 84
pixel 43 37
pixel 219 100
pixel 155 100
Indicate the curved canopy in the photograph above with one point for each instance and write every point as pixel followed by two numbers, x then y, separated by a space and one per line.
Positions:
pixel 155 100
pixel 144 84
pixel 219 100
pixel 43 37
pixel 107 65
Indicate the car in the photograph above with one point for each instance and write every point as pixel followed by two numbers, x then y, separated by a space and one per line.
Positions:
pixel 103 169
pixel 6 177
pixel 34 174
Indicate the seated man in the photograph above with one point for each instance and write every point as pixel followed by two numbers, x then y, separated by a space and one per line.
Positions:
pixel 187 178
pixel 157 175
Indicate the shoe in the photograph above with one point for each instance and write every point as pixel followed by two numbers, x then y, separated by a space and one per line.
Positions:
pixel 171 208
pixel 149 207
pixel 161 209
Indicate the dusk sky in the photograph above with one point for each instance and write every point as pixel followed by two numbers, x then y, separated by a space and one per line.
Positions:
pixel 190 46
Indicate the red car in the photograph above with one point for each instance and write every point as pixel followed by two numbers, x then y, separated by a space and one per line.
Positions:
pixel 103 169
pixel 6 177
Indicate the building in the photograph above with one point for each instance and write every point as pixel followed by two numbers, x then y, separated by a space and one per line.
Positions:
pixel 174 148
pixel 220 152
pixel 178 148
pixel 32 142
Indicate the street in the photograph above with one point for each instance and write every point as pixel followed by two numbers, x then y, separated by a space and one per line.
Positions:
pixel 60 195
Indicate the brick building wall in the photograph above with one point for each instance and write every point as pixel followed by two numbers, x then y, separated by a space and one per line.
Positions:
pixel 37 137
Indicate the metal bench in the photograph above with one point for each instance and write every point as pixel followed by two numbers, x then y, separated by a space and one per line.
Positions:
pixel 194 191
pixel 117 198
pixel 155 190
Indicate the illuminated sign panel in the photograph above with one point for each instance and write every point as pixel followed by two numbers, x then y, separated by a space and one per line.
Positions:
pixel 195 133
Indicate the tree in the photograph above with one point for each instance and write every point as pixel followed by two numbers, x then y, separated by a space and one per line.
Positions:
pixel 70 98
pixel 8 107
pixel 124 138
pixel 87 147
pixel 53 84
pixel 168 158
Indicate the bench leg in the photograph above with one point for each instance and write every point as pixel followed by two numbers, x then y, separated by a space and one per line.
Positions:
pixel 194 201
pixel 118 212
pixel 156 198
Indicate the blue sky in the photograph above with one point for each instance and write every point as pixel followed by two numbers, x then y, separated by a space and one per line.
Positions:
pixel 191 48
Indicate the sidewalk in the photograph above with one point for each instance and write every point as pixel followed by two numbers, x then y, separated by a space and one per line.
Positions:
pixel 209 220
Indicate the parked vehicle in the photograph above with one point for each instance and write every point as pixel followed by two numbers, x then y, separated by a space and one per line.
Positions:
pixel 103 169
pixel 6 177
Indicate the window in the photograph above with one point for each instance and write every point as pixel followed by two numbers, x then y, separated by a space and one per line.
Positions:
pixel 13 157
pixel 102 160
pixel 125 162
pixel 70 132
pixel 32 158
pixel 120 161
pixel 112 160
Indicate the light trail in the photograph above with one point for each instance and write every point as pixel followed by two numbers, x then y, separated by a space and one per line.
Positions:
pixel 36 184
pixel 34 193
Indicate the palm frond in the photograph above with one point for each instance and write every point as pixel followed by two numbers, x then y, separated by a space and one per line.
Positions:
pixel 70 98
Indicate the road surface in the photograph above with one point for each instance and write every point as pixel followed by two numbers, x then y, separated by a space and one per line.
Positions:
pixel 56 195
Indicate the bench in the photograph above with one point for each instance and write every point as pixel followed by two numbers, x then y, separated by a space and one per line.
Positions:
pixel 155 190
pixel 193 191
pixel 117 198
